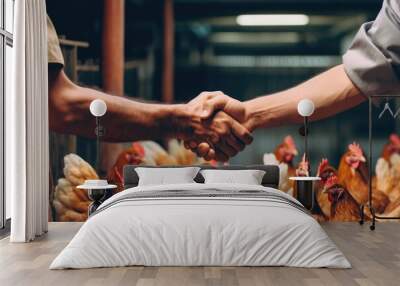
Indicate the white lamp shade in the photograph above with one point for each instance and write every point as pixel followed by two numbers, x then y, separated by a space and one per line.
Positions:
pixel 98 107
pixel 305 107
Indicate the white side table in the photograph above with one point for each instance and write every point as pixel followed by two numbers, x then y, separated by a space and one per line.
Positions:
pixel 97 190
pixel 305 190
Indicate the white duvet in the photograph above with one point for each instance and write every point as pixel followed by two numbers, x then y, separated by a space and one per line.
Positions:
pixel 188 231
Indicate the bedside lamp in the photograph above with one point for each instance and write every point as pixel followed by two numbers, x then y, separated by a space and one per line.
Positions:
pixel 98 108
pixel 305 108
pixel 97 189
pixel 304 185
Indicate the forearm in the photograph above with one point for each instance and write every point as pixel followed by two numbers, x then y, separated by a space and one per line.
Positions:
pixel 125 120
pixel 331 92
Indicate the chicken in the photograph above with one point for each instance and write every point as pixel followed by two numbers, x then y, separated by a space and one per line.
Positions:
pixel 393 209
pixel 151 154
pixel 387 169
pixel 70 203
pixel 388 176
pixel 176 155
pixel 325 172
pixel 284 182
pixel 134 155
pixel 343 205
pixel 283 156
pixel 353 176
pixel 392 147
pixel 157 155
pixel 285 153
pixel 184 156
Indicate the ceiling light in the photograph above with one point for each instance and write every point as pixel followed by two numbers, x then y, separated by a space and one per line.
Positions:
pixel 273 20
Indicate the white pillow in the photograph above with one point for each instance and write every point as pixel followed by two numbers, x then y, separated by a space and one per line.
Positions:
pixel 248 177
pixel 164 176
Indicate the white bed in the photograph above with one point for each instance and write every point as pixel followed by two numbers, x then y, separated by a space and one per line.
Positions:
pixel 224 225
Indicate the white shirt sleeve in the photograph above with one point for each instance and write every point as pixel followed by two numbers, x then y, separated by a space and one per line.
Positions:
pixel 373 59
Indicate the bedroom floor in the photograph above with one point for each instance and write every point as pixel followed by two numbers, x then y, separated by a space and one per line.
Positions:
pixel 375 257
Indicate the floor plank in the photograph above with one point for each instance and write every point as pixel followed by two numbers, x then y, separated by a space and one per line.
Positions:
pixel 375 257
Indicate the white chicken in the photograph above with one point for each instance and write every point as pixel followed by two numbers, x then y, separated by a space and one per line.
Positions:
pixel 388 176
pixel 70 203
pixel 284 184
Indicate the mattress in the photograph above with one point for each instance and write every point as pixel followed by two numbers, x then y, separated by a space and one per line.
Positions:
pixel 201 225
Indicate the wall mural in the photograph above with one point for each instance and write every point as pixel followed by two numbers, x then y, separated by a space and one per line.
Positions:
pixel 338 196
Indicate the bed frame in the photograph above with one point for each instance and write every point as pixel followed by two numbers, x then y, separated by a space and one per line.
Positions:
pixel 270 179
pixel 370 171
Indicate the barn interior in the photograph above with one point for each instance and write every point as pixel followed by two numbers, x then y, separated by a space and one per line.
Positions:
pixel 170 51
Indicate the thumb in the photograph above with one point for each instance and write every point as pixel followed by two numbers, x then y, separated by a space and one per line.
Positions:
pixel 212 105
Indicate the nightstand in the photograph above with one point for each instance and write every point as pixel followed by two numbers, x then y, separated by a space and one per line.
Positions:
pixel 305 190
pixel 97 190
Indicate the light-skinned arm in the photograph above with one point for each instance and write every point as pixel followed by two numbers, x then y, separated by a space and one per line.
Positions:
pixel 331 91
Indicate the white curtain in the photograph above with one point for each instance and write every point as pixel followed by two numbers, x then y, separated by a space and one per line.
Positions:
pixel 27 135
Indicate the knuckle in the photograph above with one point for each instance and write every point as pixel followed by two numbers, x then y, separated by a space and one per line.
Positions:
pixel 224 132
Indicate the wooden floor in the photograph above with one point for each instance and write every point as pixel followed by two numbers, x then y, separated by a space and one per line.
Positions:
pixel 375 257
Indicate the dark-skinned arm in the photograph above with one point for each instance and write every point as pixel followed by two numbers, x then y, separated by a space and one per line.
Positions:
pixel 125 120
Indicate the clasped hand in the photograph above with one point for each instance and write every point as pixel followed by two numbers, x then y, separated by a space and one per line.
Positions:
pixel 215 126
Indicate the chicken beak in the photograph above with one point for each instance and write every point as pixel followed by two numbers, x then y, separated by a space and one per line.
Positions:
pixel 362 159
pixel 295 152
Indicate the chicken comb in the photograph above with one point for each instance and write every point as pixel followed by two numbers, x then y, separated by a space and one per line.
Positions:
pixel 332 180
pixel 394 139
pixel 323 164
pixel 138 148
pixel 288 140
pixel 356 149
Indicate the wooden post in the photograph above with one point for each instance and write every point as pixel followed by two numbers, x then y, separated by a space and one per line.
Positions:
pixel 113 59
pixel 113 47
pixel 168 66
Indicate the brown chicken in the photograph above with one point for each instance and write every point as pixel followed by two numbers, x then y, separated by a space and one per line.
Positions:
pixel 151 153
pixel 132 156
pixel 353 176
pixel 325 172
pixel 285 153
pixel 343 205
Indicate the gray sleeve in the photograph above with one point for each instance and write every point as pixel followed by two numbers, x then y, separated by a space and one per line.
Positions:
pixel 373 59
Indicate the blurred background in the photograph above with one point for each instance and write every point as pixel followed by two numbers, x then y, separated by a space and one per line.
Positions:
pixel 173 50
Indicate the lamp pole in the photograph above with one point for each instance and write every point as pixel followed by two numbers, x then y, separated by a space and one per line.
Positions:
pixel 98 108
pixel 97 131
pixel 306 137
pixel 305 108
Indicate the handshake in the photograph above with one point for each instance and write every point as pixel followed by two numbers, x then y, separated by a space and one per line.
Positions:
pixel 213 125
